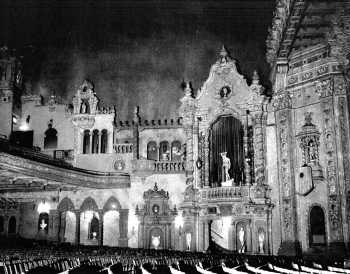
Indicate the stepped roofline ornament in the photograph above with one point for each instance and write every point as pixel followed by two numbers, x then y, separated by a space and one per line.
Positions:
pixel 155 192
pixel 188 90
pixel 85 100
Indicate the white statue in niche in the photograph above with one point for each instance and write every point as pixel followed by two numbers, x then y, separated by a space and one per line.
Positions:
pixel 83 108
pixel 43 225
pixel 261 239
pixel 241 234
pixel 156 241
pixel 188 241
pixel 226 165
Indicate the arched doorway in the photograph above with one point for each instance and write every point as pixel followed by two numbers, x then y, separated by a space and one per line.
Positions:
pixel 89 222
pixel 226 135
pixel 67 229
pixel 317 227
pixel 111 228
pixel 156 238
pixel 12 226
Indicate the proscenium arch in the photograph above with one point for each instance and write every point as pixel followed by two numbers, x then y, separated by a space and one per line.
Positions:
pixel 89 204
pixel 109 204
pixel 65 205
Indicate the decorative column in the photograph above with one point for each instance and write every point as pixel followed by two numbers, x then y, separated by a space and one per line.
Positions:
pixel 77 227
pixel 206 160
pixel 100 227
pixel 248 178
pixel 187 110
pixel 90 144
pixel 282 105
pixel 123 227
pixel 136 120
pixel 259 118
pixel 99 142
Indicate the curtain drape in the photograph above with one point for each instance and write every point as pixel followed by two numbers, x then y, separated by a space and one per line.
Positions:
pixel 226 135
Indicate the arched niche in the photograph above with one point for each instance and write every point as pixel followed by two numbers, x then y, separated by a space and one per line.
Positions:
pixel 43 222
pixel 164 151
pixel 94 228
pixel 225 135
pixel 152 153
pixel 50 140
pixel 89 204
pixel 65 205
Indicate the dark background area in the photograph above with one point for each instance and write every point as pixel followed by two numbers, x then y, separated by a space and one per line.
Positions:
pixel 135 52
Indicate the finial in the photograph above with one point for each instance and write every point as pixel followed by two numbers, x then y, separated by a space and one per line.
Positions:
pixel 136 114
pixel 256 77
pixel 155 187
pixel 188 89
pixel 224 55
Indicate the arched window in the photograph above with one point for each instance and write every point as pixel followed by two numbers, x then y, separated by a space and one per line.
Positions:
pixel 12 225
pixel 86 142
pixel 50 140
pixel 176 153
pixel 95 141
pixel 94 228
pixel 43 222
pixel 317 231
pixel 1 224
pixel 164 151
pixel 104 141
pixel 152 153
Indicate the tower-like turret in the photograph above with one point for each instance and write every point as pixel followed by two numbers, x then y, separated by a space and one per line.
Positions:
pixel 10 77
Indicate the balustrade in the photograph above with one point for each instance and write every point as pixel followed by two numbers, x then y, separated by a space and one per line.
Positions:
pixel 169 166
pixel 224 193
pixel 151 166
pixel 123 148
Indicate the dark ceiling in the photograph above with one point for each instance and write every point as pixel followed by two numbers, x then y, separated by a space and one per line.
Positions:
pixel 135 52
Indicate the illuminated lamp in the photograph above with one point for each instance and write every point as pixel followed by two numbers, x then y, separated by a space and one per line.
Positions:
pixel 44 207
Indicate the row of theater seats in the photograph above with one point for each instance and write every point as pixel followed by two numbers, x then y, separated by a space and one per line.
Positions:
pixel 76 260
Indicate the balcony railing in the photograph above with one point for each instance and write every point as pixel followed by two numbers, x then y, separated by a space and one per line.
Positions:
pixel 224 193
pixel 123 148
pixel 151 166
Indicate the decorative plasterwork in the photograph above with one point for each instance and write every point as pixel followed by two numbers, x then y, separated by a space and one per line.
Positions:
pixel 309 141
pixel 314 74
pixel 284 26
pixel 334 211
pixel 339 36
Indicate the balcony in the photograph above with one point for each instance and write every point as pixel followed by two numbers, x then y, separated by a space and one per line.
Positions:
pixel 148 167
